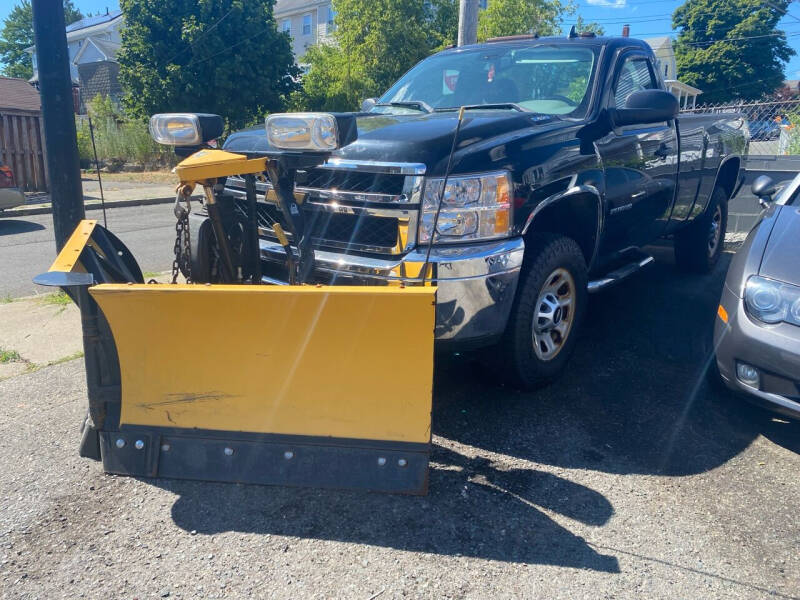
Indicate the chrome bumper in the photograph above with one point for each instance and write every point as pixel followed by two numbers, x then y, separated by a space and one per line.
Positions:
pixel 475 284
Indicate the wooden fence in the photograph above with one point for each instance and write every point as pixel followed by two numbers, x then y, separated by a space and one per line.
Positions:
pixel 22 149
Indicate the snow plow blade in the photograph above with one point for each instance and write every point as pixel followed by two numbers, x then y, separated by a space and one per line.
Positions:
pixel 289 385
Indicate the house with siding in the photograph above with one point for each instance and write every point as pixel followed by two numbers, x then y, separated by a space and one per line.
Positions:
pixel 307 22
pixel 93 44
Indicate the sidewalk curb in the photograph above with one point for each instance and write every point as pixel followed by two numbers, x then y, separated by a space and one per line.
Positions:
pixel 45 210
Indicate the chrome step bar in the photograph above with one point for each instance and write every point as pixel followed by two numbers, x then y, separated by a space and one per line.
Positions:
pixel 617 275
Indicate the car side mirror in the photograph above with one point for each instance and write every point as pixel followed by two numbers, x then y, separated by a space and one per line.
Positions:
pixel 368 103
pixel 764 189
pixel 644 107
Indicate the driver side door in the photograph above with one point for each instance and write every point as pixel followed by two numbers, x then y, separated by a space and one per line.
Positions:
pixel 640 163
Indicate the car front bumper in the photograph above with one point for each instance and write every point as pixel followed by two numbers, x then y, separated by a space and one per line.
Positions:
pixel 11 198
pixel 772 349
pixel 475 284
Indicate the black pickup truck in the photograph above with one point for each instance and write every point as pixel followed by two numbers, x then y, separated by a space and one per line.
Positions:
pixel 570 158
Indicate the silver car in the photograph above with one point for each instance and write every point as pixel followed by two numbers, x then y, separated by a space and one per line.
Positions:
pixel 10 195
pixel 757 330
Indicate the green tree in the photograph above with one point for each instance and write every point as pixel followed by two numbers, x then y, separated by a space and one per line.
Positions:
pixel 582 26
pixel 731 48
pixel 219 56
pixel 516 17
pixel 375 42
pixel 17 35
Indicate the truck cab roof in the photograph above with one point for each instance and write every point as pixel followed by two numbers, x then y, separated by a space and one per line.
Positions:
pixel 612 42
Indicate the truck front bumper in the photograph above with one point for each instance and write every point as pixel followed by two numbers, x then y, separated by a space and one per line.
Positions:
pixel 475 284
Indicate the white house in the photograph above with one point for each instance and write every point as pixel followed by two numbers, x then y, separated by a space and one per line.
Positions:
pixel 93 44
pixel 668 69
pixel 308 22
pixel 89 40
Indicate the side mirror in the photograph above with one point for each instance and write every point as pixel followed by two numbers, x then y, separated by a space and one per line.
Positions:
pixel 367 104
pixel 644 107
pixel 764 189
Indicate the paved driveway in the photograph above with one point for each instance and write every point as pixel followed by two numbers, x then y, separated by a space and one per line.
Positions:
pixel 631 478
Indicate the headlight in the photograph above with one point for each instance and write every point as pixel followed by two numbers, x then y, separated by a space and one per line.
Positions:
pixel 315 132
pixel 771 301
pixel 474 207
pixel 185 129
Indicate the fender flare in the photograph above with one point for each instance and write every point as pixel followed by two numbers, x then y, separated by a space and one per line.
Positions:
pixel 565 195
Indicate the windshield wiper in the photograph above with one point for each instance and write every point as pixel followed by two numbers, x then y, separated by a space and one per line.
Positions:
pixel 418 104
pixel 490 106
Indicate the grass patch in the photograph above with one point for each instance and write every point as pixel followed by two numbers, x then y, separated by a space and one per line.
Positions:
pixel 151 274
pixel 56 299
pixel 9 356
pixel 7 299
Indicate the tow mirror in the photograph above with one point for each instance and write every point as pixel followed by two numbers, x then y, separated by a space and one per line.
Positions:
pixel 764 189
pixel 368 103
pixel 644 107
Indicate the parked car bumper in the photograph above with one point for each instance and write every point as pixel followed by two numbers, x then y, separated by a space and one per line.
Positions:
pixel 11 198
pixel 774 350
pixel 475 284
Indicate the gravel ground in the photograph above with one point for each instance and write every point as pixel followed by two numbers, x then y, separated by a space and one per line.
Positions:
pixel 631 478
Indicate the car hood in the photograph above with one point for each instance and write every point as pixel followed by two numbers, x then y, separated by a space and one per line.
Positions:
pixel 781 258
pixel 421 138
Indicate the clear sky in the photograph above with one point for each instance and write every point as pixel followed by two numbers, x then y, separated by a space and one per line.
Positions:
pixel 647 18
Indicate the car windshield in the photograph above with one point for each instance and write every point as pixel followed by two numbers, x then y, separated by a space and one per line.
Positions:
pixel 548 79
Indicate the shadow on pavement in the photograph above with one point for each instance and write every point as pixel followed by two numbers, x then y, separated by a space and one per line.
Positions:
pixel 635 398
pixel 473 509
pixel 10 226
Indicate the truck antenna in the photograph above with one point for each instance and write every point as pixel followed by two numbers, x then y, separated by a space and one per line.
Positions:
pixel 424 270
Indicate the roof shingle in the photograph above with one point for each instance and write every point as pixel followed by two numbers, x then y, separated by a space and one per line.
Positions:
pixel 18 94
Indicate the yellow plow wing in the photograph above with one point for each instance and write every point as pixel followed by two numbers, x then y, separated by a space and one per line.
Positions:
pixel 295 385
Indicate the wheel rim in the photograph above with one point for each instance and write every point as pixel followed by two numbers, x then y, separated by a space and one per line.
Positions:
pixel 715 231
pixel 554 314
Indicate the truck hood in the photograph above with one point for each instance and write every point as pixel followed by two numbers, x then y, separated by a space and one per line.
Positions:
pixel 780 259
pixel 423 138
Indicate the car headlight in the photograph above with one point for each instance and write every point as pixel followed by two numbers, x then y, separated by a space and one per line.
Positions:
pixel 772 301
pixel 185 129
pixel 314 132
pixel 474 207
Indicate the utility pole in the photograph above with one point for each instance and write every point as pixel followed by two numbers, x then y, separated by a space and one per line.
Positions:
pixel 467 22
pixel 58 112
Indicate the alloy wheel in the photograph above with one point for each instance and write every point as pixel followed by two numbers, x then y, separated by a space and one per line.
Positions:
pixel 553 318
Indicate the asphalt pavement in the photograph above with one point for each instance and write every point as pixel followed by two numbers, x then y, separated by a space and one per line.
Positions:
pixel 27 244
pixel 631 477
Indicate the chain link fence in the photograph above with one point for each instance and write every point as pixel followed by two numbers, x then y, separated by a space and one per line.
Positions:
pixel 774 126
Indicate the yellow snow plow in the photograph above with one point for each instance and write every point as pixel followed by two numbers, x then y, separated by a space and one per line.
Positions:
pixel 238 381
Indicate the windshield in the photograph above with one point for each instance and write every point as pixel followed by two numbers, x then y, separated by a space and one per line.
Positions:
pixel 547 79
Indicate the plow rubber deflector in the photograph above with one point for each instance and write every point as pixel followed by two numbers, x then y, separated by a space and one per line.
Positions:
pixel 289 385
pixel 320 386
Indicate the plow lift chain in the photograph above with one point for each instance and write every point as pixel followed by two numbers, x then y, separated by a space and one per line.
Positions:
pixel 183 248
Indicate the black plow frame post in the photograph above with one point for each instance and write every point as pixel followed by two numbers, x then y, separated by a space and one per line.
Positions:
pixel 252 227
pixel 58 112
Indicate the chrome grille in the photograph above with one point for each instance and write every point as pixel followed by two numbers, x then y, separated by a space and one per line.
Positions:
pixel 351 206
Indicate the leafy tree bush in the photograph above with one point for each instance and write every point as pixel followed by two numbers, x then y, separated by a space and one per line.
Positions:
pixel 218 56
pixel 516 17
pixel 731 48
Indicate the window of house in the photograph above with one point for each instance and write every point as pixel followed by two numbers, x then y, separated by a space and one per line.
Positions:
pixel 331 18
pixel 307 24
pixel 634 76
pixel 286 26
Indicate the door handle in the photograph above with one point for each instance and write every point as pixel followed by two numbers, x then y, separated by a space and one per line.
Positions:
pixel 638 194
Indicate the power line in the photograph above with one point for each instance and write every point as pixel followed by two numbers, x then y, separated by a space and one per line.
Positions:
pixel 202 35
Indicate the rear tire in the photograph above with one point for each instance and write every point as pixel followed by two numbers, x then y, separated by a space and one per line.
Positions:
pixel 547 312
pixel 699 245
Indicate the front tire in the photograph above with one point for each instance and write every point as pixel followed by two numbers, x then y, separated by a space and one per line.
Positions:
pixel 547 312
pixel 699 245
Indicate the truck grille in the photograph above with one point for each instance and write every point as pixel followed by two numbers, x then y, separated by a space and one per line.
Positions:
pixel 341 229
pixel 351 207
